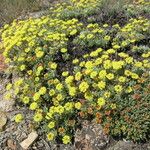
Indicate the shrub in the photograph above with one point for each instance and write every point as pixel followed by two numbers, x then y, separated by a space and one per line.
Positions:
pixel 63 87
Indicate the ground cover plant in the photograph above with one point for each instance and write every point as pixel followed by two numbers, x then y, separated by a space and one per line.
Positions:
pixel 73 67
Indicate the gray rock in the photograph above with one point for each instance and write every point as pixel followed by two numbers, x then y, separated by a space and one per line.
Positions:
pixel 5 105
pixel 123 145
pixel 3 120
pixel 66 147
pixel 91 137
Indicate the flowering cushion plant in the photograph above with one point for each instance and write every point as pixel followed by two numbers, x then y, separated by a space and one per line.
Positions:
pixel 107 84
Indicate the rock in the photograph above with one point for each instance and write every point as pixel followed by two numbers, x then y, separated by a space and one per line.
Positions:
pixel 3 66
pixel 6 105
pixel 11 144
pixel 66 147
pixel 3 120
pixel 27 142
pixel 91 137
pixel 123 145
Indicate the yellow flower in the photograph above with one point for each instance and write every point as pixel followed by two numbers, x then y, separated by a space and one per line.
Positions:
pixel 60 109
pixel 64 74
pixel 39 54
pixel 7 96
pixel 50 136
pixel 134 76
pixel 75 61
pixel 94 54
pixel 99 50
pixel 101 101
pixel 89 64
pixel 59 97
pixel 52 92
pixel 111 51
pixel 42 90
pixel 129 60
pixel 124 43
pixel 117 65
pixel 22 67
pixel 51 124
pixel 78 76
pixel 33 106
pixel 40 68
pixel 98 61
pixel 127 72
pixel 78 105
pixel 110 76
pixel 145 55
pixel 16 91
pixel 118 88
pixel 82 36
pixel 53 66
pixel 124 55
pixel 113 106
pixel 68 106
pixel 122 79
pixel 27 50
pixel 18 118
pixel 105 25
pixel 21 59
pixel 107 38
pixel 138 64
pixel 88 71
pixel 49 116
pixel 90 36
pixel 116 46
pixel 73 32
pixel 26 100
pixel 63 50
pixel 59 86
pixel 88 96
pixel 82 64
pixel 85 55
pixel 107 64
pixel 83 86
pixel 56 81
pixel 66 139
pixel 55 101
pixel 38 117
pixel 129 90
pixel 102 74
pixel 69 79
pixel 29 72
pixel 93 74
pixel 101 85
pixel 9 86
pixel 107 94
pixel 72 91
pixel 36 96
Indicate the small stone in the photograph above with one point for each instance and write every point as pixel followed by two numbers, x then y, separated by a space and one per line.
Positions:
pixel 3 120
pixel 6 105
pixel 91 137
pixel 11 144
pixel 28 142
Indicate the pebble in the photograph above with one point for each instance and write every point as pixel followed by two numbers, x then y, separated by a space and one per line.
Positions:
pixel 31 138
pixel 3 120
